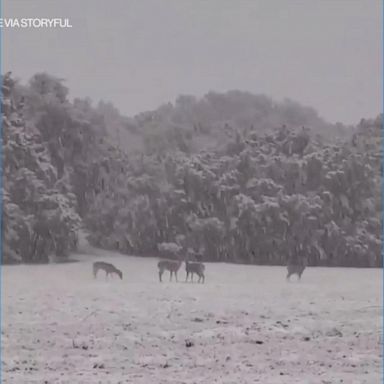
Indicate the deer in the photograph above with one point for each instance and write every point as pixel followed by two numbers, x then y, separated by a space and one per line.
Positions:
pixel 169 265
pixel 296 268
pixel 195 267
pixel 107 267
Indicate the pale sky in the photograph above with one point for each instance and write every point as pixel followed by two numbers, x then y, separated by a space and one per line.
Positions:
pixel 140 54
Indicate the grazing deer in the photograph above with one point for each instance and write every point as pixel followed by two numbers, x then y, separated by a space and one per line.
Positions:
pixel 197 268
pixel 295 269
pixel 108 268
pixel 169 265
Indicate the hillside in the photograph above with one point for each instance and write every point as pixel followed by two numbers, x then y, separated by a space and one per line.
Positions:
pixel 192 125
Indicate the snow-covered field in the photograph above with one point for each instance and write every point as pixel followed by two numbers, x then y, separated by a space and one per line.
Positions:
pixel 246 324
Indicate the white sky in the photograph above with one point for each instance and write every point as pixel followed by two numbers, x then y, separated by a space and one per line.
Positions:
pixel 141 53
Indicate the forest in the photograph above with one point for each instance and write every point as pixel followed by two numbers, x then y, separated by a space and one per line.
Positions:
pixel 233 176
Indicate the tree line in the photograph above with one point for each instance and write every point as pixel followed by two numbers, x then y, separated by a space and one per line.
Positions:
pixel 234 177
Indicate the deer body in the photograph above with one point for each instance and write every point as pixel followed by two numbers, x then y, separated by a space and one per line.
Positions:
pixel 295 269
pixel 169 265
pixel 107 267
pixel 195 267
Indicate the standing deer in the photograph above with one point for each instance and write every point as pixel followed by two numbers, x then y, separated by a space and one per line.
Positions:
pixel 169 265
pixel 296 268
pixel 108 268
pixel 195 267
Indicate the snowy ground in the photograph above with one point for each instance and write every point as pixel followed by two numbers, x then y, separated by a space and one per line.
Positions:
pixel 246 324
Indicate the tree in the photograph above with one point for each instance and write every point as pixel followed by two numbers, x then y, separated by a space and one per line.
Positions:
pixel 38 217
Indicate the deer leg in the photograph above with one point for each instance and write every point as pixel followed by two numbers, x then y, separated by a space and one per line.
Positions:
pixel 186 277
pixel 170 275
pixel 160 274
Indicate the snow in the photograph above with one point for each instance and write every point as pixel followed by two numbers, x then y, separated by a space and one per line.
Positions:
pixel 246 324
